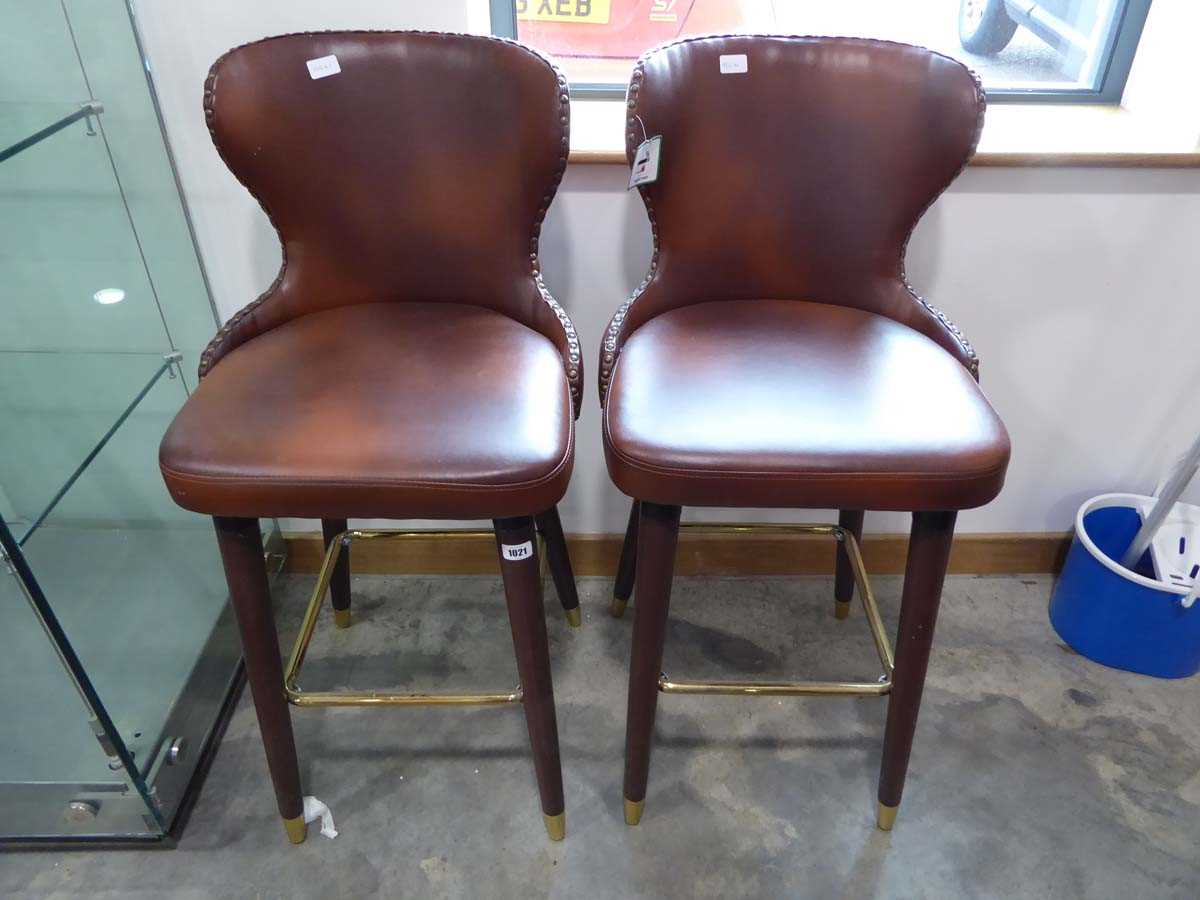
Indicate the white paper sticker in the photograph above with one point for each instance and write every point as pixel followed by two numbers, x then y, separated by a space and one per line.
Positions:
pixel 645 162
pixel 517 552
pixel 323 67
pixel 734 64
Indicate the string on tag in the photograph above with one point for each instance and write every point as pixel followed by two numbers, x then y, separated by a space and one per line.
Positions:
pixel 645 137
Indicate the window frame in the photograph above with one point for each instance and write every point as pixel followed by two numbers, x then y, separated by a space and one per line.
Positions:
pixel 1120 51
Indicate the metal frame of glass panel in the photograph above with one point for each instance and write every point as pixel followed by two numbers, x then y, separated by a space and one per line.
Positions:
pixel 85 111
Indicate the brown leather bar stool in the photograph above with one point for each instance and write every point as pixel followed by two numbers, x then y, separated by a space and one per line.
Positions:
pixel 775 356
pixel 407 362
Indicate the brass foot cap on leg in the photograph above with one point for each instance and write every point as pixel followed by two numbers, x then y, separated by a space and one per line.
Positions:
pixel 556 826
pixel 574 617
pixel 296 829
pixel 633 811
pixel 841 609
pixel 885 816
pixel 341 618
pixel 618 607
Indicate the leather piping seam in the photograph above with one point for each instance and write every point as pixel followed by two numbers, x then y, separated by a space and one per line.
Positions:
pixel 704 474
pixel 651 469
pixel 466 486
pixel 571 362
pixel 614 337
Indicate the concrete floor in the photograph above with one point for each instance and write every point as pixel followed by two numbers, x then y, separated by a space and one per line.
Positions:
pixel 1035 772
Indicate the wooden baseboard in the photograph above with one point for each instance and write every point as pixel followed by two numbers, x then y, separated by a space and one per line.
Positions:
pixel 596 554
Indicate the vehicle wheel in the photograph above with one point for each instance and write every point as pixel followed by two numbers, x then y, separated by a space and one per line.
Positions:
pixel 984 26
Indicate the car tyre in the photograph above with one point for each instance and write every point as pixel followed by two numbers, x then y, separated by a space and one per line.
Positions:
pixel 984 26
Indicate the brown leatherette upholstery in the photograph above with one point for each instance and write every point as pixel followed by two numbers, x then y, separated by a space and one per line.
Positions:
pixel 408 360
pixel 797 404
pixel 775 354
pixel 388 410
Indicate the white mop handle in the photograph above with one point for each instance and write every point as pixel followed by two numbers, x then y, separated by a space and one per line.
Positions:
pixel 1166 502
pixel 1188 599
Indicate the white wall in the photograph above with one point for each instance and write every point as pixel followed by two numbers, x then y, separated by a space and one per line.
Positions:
pixel 1077 286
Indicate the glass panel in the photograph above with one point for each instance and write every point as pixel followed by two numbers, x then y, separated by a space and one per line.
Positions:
pixel 62 778
pixel 64 236
pixel 1014 46
pixel 55 407
pixel 116 73
pixel 116 555
pixel 46 736
pixel 101 285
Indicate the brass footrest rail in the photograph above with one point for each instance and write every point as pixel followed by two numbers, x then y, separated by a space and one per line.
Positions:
pixel 298 697
pixel 777 689
pixel 802 688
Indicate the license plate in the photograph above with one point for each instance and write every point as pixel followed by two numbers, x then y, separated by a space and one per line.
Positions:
pixel 568 12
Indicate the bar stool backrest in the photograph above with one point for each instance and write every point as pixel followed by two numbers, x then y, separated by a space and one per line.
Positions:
pixel 796 168
pixel 396 166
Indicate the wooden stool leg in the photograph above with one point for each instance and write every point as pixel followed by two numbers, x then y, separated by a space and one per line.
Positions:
pixel 339 585
pixel 658 533
pixel 627 565
pixel 523 592
pixel 246 572
pixel 928 555
pixel 843 580
pixel 549 524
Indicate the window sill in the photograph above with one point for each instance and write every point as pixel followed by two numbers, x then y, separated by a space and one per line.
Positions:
pixel 1044 134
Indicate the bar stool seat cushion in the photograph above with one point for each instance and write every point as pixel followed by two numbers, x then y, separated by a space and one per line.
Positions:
pixel 379 410
pixel 787 403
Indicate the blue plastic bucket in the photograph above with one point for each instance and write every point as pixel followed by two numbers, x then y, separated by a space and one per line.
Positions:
pixel 1121 618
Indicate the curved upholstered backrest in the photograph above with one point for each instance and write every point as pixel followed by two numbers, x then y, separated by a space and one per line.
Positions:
pixel 421 170
pixel 800 177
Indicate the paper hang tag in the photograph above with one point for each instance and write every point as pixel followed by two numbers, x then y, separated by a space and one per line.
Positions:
pixel 645 162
